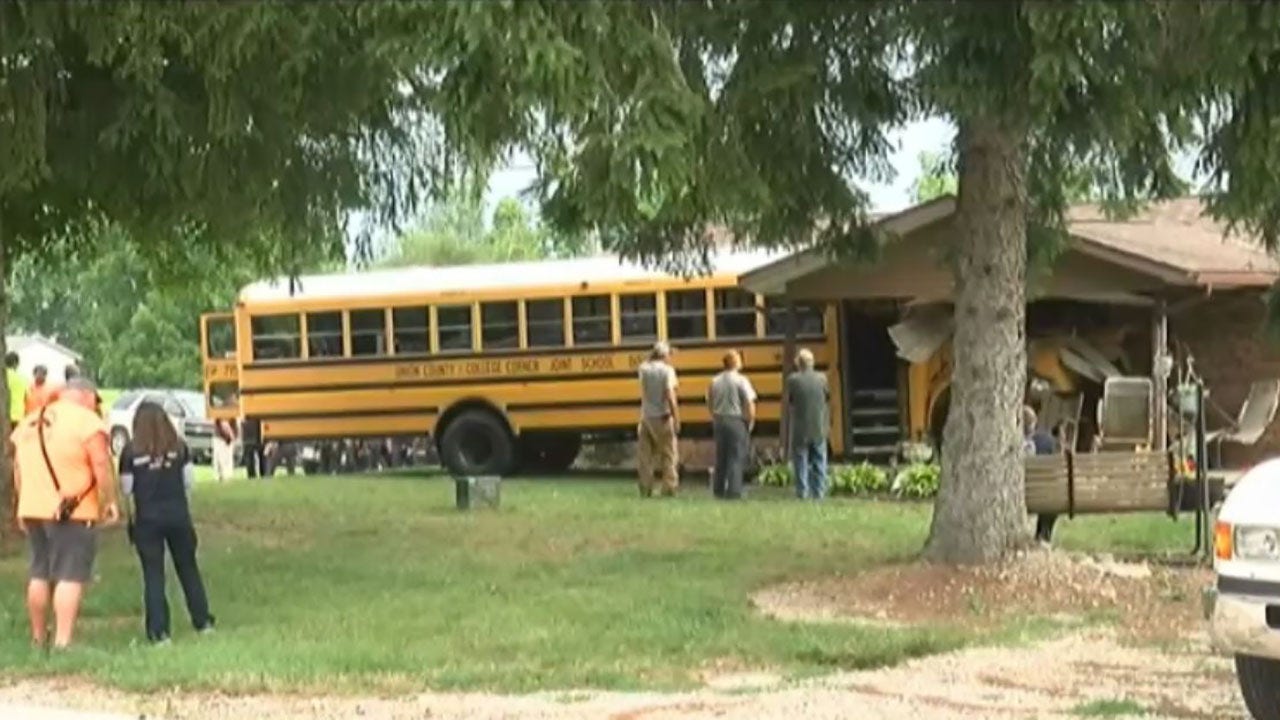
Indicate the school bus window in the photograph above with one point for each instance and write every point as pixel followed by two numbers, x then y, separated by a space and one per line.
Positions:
pixel 499 326
pixel 454 325
pixel 324 334
pixel 735 313
pixel 410 328
pixel 639 315
pixel 368 332
pixel 224 394
pixel 592 320
pixel 686 315
pixel 544 323
pixel 276 337
pixel 808 319
pixel 221 338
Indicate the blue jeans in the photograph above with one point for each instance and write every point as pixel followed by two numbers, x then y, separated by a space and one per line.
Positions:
pixel 809 463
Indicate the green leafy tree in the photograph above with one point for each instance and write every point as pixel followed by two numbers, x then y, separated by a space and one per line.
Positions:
pixel 454 233
pixel 208 128
pixel 135 324
pixel 649 120
pixel 935 180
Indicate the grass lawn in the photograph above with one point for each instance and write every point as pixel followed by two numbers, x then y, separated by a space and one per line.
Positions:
pixel 339 583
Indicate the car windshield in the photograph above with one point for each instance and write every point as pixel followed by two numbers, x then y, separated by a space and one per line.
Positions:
pixel 126 400
pixel 192 401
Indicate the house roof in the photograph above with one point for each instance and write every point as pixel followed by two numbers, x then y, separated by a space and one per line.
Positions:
pixel 1175 237
pixel 1173 241
pixel 772 279
pixel 17 343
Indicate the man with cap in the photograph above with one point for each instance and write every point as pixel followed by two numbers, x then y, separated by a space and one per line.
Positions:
pixel 659 429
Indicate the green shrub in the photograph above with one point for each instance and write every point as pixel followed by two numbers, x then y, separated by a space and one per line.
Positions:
pixel 868 478
pixel 776 475
pixel 840 478
pixel 861 479
pixel 918 481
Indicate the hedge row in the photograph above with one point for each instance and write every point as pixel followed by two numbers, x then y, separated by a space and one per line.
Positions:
pixel 916 481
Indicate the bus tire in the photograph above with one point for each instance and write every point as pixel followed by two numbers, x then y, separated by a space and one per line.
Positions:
pixel 477 443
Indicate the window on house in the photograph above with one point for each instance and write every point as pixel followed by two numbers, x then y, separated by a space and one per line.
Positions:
pixel 809 322
pixel 639 316
pixel 499 325
pixel 454 325
pixel 544 323
pixel 324 334
pixel 276 337
pixel 592 320
pixel 735 313
pixel 368 332
pixel 410 330
pixel 686 315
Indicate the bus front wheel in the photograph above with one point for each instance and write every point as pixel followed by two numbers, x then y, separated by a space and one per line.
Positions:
pixel 477 443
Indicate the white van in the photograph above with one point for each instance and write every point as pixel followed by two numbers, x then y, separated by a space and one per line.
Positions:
pixel 1244 605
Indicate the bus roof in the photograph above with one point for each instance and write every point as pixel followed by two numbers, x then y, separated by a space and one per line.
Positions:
pixel 541 273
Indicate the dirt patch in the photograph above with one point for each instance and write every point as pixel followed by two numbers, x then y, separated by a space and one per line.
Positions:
pixel 1150 603
pixel 1049 680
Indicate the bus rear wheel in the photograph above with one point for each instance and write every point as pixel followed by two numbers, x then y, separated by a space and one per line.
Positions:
pixel 549 452
pixel 477 443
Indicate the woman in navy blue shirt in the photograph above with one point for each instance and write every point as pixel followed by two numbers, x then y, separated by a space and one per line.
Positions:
pixel 156 471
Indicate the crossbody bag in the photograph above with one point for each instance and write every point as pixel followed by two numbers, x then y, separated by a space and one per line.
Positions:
pixel 66 505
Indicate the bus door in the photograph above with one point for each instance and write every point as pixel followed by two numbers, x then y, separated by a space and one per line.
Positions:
pixel 221 368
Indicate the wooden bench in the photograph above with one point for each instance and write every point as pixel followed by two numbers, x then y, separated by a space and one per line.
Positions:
pixel 1102 482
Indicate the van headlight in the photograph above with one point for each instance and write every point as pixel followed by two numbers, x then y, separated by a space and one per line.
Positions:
pixel 1257 543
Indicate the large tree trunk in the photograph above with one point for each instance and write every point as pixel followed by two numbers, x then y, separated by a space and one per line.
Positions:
pixel 8 525
pixel 980 514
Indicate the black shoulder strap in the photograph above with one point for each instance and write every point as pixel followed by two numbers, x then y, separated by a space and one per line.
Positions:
pixel 44 451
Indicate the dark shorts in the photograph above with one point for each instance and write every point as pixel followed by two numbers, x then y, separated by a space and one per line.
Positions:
pixel 61 552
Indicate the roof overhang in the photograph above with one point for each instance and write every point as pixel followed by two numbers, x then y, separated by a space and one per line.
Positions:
pixel 776 277
pixel 773 278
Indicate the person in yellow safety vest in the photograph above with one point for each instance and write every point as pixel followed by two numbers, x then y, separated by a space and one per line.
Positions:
pixel 17 389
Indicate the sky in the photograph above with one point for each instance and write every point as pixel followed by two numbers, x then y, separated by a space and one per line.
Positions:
pixel 932 135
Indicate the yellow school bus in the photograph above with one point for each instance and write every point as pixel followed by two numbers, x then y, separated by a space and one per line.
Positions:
pixel 507 367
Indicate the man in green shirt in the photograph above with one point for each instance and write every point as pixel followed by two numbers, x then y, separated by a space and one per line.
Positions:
pixel 808 421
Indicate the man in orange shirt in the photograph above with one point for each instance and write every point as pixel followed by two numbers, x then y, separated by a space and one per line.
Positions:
pixel 40 392
pixel 65 488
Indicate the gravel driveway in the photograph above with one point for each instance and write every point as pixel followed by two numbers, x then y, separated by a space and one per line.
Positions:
pixel 1056 679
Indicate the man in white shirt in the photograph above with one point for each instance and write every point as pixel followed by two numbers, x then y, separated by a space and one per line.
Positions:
pixel 732 401
pixel 659 423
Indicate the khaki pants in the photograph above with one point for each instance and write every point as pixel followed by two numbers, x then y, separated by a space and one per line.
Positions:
pixel 656 455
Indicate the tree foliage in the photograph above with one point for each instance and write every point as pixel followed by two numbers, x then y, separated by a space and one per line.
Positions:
pixel 454 232
pixel 208 128
pixel 935 180
pixel 649 120
pixel 135 325
pixel 232 121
